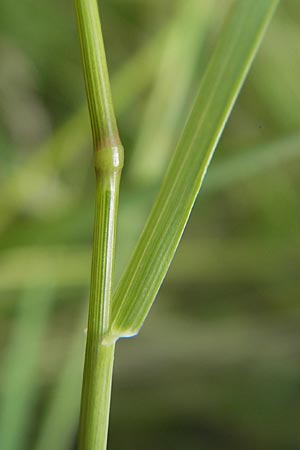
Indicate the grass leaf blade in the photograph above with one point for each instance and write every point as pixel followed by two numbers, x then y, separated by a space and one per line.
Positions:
pixel 219 88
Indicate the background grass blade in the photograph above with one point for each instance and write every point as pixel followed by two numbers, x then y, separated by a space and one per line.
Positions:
pixel 222 81
pixel 252 162
pixel 59 424
pixel 20 382
pixel 178 64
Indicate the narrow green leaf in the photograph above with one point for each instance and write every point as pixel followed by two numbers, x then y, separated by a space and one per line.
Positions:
pixel 20 382
pixel 252 162
pixel 178 64
pixel 62 412
pixel 220 86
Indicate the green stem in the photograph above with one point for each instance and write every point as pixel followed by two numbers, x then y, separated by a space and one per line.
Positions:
pixel 96 394
pixel 108 158
pixel 101 109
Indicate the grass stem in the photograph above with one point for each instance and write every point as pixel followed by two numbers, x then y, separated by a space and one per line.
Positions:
pixel 108 159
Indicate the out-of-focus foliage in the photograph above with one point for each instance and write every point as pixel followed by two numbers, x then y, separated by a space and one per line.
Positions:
pixel 217 364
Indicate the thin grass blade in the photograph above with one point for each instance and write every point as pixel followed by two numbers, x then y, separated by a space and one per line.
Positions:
pixel 184 45
pixel 61 416
pixel 238 43
pixel 20 382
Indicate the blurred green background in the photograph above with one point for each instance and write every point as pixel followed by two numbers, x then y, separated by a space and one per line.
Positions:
pixel 217 365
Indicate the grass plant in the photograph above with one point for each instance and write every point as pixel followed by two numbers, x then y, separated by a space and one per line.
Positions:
pixel 122 315
pixel 215 364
